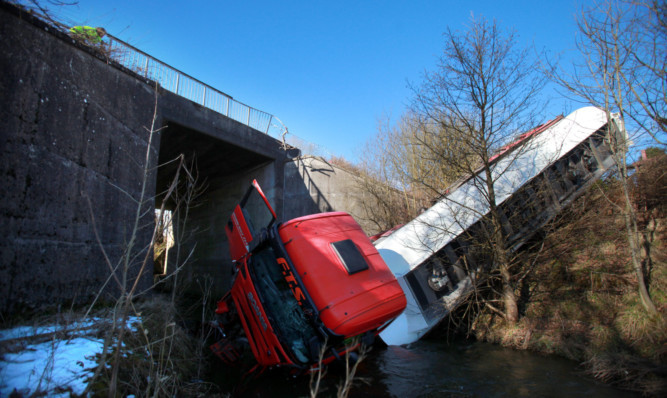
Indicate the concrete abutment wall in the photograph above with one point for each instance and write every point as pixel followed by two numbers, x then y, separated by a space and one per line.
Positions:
pixel 73 138
pixel 71 127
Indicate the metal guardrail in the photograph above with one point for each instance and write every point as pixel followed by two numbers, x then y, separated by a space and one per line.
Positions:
pixel 177 82
pixel 188 87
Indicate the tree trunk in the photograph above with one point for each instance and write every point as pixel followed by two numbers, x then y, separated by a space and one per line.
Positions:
pixel 630 218
pixel 619 148
pixel 501 256
pixel 509 297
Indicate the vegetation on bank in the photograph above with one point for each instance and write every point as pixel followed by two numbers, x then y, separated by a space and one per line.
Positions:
pixel 579 297
pixel 593 287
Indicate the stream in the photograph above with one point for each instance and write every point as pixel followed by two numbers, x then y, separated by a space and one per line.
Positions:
pixel 433 368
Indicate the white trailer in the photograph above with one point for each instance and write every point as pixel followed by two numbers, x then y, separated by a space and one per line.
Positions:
pixel 565 155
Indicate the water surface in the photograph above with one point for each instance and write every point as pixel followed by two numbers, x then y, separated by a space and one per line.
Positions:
pixel 474 369
pixel 434 368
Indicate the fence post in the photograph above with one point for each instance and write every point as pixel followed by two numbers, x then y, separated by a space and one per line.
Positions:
pixel 268 126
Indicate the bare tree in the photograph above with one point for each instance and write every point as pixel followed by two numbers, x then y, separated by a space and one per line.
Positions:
pixel 482 94
pixel 387 198
pixel 401 172
pixel 644 23
pixel 622 69
pixel 383 205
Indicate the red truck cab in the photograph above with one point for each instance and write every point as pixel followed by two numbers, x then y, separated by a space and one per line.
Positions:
pixel 303 287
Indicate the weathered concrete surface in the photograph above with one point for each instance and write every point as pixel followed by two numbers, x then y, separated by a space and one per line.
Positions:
pixel 73 144
pixel 228 156
pixel 313 185
pixel 71 127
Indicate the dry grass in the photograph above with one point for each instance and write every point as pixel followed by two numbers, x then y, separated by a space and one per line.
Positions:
pixel 628 372
pixel 583 301
pixel 160 356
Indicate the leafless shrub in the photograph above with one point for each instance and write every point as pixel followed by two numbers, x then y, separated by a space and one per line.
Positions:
pixel 354 355
pixel 352 361
pixel 146 351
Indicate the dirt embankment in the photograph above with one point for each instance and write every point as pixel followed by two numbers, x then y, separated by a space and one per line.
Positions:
pixel 580 300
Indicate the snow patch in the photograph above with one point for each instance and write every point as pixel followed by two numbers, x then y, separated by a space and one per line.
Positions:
pixel 58 367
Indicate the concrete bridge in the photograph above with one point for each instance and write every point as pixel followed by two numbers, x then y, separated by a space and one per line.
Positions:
pixel 74 138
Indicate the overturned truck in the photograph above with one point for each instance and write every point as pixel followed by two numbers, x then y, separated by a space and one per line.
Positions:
pixel 305 292
pixel 310 290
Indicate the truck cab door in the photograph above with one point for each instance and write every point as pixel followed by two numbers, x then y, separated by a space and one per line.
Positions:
pixel 250 217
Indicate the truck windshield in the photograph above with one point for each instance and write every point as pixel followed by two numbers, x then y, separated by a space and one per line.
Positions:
pixel 280 305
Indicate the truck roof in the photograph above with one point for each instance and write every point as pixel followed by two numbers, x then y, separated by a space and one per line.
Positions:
pixel 349 283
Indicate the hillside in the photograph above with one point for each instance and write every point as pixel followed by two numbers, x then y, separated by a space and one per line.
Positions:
pixel 579 294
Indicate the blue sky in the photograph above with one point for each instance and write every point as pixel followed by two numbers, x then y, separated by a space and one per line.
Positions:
pixel 329 70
